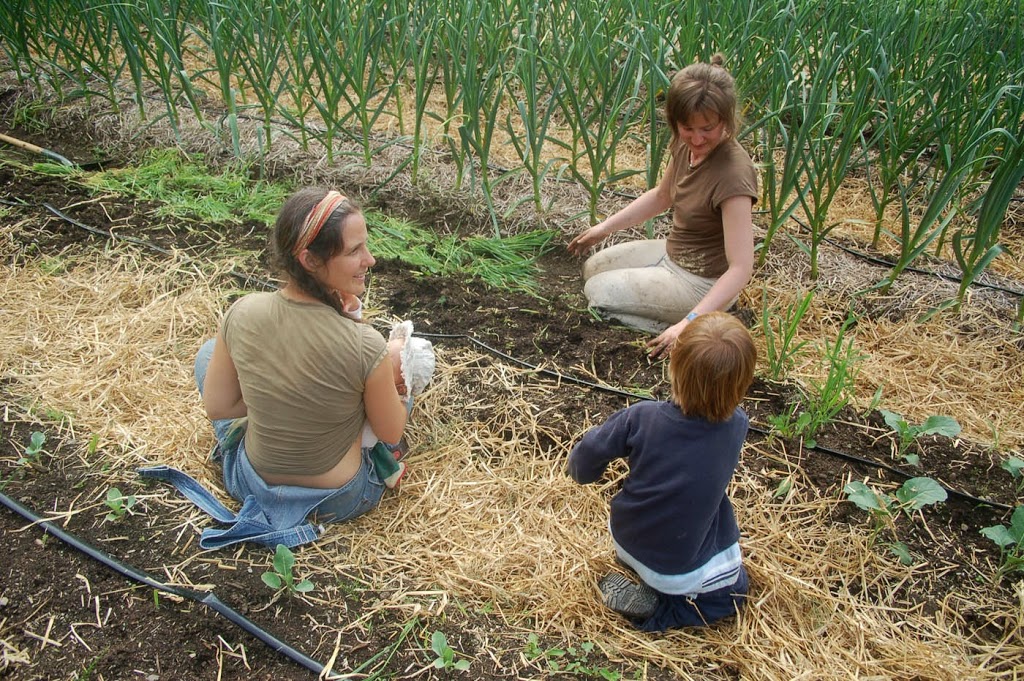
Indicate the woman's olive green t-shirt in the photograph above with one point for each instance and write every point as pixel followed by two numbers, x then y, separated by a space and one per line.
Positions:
pixel 302 368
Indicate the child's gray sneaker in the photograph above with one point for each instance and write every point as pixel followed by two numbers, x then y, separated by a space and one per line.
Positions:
pixel 636 601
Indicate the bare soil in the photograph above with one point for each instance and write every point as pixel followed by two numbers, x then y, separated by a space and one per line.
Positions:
pixel 80 619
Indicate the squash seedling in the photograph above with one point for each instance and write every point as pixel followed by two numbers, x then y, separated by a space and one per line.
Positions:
pixel 913 495
pixel 445 655
pixel 118 503
pixel 1015 467
pixel 34 449
pixel 1010 540
pixel 283 575
pixel 908 434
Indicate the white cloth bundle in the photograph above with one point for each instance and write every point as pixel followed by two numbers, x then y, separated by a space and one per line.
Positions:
pixel 417 364
pixel 418 361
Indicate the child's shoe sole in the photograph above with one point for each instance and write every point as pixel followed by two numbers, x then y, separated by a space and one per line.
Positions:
pixel 636 601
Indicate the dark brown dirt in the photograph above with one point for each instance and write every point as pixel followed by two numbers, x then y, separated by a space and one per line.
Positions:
pixel 83 620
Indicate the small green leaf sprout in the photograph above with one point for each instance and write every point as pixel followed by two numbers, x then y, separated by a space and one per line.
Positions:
pixel 445 655
pixel 34 450
pixel 575 660
pixel 1010 540
pixel 118 503
pixel 785 486
pixel 913 495
pixel 1015 467
pixel 283 575
pixel 908 434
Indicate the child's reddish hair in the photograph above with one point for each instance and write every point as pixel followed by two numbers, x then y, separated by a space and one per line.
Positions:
pixel 712 366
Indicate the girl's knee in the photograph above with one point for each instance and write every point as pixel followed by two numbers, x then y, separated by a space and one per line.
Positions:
pixel 202 361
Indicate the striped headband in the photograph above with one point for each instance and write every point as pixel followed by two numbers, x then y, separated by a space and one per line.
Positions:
pixel 316 219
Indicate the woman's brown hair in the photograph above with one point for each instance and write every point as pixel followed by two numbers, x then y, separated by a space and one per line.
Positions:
pixel 327 243
pixel 712 366
pixel 702 88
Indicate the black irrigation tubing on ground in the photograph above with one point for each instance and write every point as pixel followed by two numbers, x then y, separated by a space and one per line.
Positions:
pixel 555 374
pixel 208 599
pixel 241 276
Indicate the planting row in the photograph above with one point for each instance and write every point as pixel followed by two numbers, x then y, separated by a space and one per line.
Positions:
pixel 924 99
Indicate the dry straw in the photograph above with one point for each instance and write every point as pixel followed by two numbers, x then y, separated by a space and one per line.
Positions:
pixel 487 518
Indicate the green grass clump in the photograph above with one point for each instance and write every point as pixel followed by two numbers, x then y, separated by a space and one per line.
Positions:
pixel 504 263
pixel 187 188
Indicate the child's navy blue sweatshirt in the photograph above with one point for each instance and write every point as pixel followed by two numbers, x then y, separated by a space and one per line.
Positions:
pixel 672 513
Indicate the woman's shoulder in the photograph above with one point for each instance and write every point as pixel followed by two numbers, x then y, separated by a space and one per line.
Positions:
pixel 369 333
pixel 249 304
pixel 734 172
pixel 733 153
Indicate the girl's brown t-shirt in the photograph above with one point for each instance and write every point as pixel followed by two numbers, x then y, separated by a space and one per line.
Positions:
pixel 697 239
pixel 302 368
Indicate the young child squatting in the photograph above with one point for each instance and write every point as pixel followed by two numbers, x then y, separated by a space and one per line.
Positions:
pixel 672 522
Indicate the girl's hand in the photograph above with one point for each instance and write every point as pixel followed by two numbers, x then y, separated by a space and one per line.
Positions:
pixel 662 345
pixel 587 240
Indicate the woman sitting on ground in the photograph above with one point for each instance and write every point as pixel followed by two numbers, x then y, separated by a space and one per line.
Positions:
pixel 661 285
pixel 305 373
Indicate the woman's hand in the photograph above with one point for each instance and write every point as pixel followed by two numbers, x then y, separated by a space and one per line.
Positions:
pixel 662 345
pixel 588 239
pixel 648 205
pixel 351 304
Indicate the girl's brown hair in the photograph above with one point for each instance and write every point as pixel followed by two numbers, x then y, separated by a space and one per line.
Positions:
pixel 702 88
pixel 712 366
pixel 326 244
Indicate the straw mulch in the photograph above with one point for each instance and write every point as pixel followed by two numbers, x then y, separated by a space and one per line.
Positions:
pixel 487 514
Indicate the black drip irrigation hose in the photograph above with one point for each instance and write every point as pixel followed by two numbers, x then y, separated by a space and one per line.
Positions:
pixel 209 599
pixel 246 279
pixel 557 376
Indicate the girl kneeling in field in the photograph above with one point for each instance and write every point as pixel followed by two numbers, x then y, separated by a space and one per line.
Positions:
pixel 660 285
pixel 672 521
